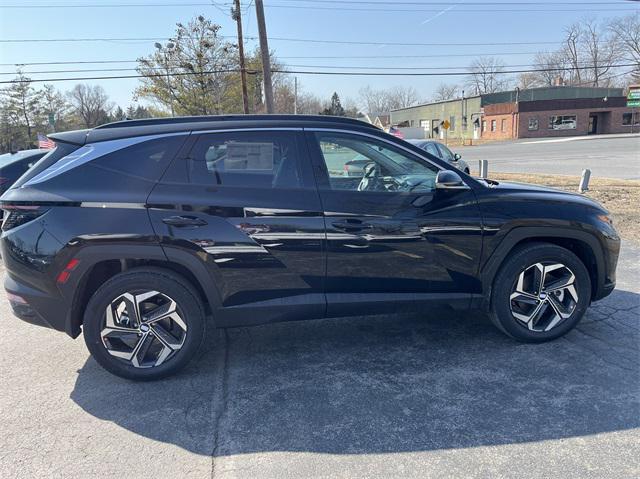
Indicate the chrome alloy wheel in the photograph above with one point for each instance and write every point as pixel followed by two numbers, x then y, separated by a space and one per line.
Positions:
pixel 144 329
pixel 543 296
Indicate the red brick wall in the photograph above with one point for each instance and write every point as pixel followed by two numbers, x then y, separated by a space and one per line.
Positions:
pixel 506 125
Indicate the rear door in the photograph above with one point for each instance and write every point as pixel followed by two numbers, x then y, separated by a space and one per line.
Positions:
pixel 392 238
pixel 245 203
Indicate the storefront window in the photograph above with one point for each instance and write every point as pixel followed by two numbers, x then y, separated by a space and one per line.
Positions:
pixel 564 122
pixel 533 124
pixel 629 119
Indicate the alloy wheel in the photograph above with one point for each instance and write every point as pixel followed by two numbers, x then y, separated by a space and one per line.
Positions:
pixel 544 295
pixel 144 329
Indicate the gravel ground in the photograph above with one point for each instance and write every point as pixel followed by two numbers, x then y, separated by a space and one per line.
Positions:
pixel 442 395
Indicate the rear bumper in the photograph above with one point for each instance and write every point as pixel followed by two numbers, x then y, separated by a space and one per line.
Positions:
pixel 36 307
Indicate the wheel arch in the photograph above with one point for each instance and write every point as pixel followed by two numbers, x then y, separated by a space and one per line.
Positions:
pixel 583 244
pixel 105 266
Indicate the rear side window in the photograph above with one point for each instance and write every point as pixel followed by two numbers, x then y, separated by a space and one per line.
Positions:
pixel 146 160
pixel 60 151
pixel 248 159
pixel 431 148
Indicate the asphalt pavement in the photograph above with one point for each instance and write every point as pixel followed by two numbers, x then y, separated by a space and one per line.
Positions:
pixel 436 395
pixel 612 156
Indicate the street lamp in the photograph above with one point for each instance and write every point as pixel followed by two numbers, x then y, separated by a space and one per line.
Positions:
pixel 170 46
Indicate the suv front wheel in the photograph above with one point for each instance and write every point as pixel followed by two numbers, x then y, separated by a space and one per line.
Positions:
pixel 144 324
pixel 540 293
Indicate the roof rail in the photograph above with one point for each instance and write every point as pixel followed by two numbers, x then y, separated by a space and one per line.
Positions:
pixel 219 118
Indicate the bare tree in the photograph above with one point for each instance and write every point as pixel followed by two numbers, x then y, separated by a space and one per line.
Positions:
pixel 384 100
pixel 572 52
pixel 402 97
pixel 486 75
pixel 550 67
pixel 601 51
pixel 310 104
pixel 625 32
pixel 90 104
pixel 445 91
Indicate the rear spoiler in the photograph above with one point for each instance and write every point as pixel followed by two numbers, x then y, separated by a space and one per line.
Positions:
pixel 76 137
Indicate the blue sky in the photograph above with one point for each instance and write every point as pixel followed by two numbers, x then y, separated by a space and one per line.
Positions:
pixel 392 22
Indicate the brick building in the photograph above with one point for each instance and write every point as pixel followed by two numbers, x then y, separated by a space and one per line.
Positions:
pixel 556 118
pixel 532 113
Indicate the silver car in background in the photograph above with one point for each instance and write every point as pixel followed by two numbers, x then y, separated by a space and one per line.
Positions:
pixel 442 152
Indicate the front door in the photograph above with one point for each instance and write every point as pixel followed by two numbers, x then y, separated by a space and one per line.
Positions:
pixel 392 238
pixel 593 124
pixel 245 203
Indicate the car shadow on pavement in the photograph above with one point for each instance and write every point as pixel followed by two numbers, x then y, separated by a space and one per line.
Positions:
pixel 385 384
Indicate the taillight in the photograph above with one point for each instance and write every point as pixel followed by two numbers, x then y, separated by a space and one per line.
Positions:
pixel 17 215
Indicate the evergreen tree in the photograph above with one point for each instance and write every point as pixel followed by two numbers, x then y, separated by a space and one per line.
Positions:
pixel 336 108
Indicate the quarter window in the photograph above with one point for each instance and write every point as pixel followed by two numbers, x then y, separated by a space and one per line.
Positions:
pixel 358 163
pixel 249 159
pixel 563 122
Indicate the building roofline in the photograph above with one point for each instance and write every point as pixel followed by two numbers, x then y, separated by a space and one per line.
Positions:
pixel 437 102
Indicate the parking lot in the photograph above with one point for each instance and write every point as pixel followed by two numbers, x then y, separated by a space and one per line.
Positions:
pixel 436 396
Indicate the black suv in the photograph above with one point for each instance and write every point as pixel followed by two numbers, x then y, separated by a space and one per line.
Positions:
pixel 143 233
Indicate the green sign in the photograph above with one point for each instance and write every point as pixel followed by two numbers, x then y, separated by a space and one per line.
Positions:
pixel 52 119
pixel 633 103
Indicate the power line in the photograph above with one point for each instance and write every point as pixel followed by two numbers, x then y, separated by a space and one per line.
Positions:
pixel 341 2
pixel 331 67
pixel 468 3
pixel 548 7
pixel 321 57
pixel 287 39
pixel 319 72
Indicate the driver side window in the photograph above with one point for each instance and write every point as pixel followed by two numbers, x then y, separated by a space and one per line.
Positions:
pixel 358 163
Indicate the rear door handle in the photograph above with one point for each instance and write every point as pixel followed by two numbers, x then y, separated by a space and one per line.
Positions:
pixel 182 221
pixel 351 225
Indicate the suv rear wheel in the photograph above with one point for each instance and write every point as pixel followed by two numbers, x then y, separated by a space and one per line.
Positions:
pixel 144 324
pixel 540 293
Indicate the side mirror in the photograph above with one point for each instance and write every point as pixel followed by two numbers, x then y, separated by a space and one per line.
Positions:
pixel 457 156
pixel 448 180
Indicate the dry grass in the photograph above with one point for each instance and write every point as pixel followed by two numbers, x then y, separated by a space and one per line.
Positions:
pixel 620 197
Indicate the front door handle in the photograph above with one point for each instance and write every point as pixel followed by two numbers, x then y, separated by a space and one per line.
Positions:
pixel 351 224
pixel 182 221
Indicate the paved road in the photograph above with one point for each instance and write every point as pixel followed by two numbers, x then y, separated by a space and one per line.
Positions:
pixel 616 157
pixel 437 396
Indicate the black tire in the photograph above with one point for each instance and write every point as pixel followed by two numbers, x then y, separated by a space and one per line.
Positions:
pixel 506 279
pixel 189 308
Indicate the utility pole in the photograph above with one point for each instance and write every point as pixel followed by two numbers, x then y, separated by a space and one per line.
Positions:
pixel 264 51
pixel 295 97
pixel 237 16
